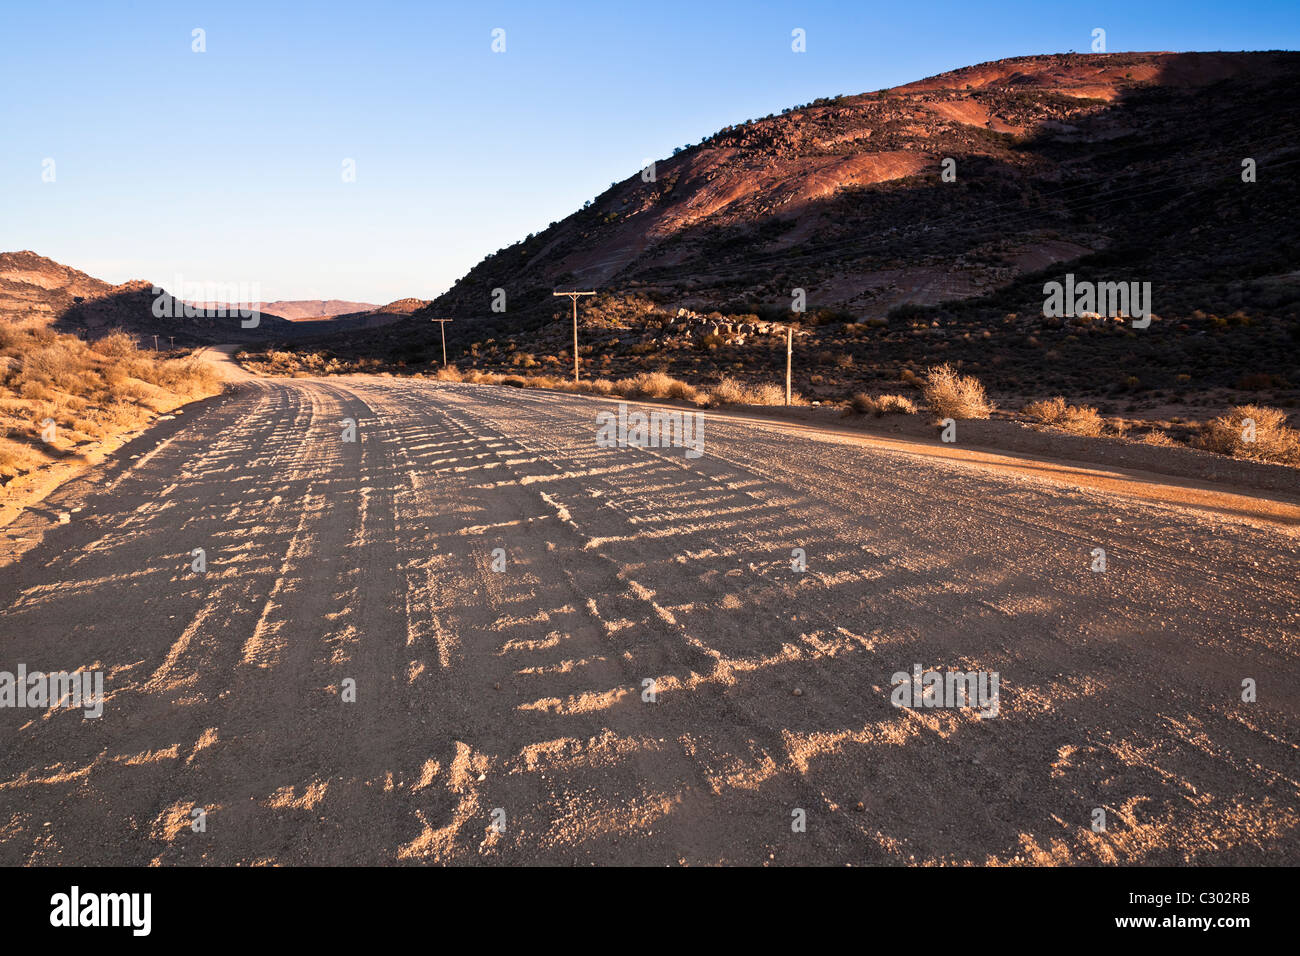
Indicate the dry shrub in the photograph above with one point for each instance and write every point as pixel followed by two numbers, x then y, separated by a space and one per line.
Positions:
pixel 879 405
pixel 449 373
pixel 1049 411
pixel 656 385
pixel 16 336
pixel 16 457
pixel 1075 419
pixel 771 394
pixel 729 391
pixel 116 344
pixel 1274 441
pixel 1082 420
pixel 37 391
pixel 115 377
pixel 186 376
pixel 950 395
pixel 1158 438
pixel 60 364
pixel 896 405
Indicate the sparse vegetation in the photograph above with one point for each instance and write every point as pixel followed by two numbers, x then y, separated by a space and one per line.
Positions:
pixel 880 405
pixel 1232 434
pixel 1075 419
pixel 951 395
pixel 89 391
pixel 656 385
pixel 730 391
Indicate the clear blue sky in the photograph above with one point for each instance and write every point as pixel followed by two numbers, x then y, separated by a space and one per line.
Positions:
pixel 226 165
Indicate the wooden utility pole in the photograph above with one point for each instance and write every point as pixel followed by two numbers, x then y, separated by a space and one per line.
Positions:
pixel 442 324
pixel 574 296
pixel 789 355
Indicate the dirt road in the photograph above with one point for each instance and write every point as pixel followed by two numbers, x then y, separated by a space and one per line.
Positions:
pixel 501 716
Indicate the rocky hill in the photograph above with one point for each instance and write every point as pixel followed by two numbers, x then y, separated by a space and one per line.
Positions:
pixel 1117 167
pixel 1055 157
pixel 35 286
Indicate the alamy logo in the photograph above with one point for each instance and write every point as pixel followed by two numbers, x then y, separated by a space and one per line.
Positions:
pixel 103 909
pixel 209 300
pixel 83 689
pixel 659 429
pixel 1114 300
pixel 950 689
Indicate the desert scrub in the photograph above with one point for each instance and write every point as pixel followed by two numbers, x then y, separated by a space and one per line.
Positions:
pixel 1075 419
pixel 878 405
pixel 116 344
pixel 950 395
pixel 656 385
pixel 185 376
pixel 91 391
pixel 730 391
pixel 1232 434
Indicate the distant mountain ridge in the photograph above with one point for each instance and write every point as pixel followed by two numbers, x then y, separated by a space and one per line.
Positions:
pixel 33 286
pixel 294 309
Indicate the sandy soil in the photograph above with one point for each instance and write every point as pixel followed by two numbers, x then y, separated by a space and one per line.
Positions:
pixel 521 691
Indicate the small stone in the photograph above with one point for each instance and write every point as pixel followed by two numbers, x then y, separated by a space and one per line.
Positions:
pixel 797 692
